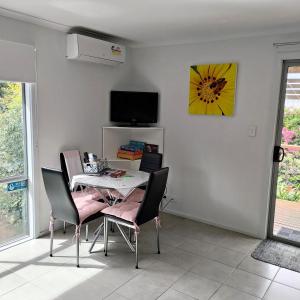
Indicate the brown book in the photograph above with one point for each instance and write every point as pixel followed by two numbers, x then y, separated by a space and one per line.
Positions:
pixel 117 173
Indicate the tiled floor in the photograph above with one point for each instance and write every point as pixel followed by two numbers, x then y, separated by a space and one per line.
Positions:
pixel 197 261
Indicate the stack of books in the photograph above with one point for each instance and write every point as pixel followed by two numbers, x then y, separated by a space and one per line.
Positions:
pixel 133 150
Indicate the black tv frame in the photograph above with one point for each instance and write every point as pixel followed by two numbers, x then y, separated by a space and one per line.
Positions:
pixel 135 122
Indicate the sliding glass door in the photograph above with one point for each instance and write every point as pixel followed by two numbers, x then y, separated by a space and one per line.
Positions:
pixel 285 202
pixel 14 221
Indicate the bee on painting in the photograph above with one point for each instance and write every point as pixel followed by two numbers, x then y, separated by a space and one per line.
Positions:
pixel 212 89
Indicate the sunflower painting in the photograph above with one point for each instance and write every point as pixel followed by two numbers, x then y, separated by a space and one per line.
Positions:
pixel 212 89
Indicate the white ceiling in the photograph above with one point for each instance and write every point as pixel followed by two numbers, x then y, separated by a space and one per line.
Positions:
pixel 152 22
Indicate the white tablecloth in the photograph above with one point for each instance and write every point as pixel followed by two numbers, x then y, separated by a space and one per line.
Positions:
pixel 124 184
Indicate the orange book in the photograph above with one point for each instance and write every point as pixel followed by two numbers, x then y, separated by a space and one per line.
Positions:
pixel 129 156
pixel 129 152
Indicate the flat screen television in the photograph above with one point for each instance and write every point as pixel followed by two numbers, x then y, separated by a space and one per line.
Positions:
pixel 133 107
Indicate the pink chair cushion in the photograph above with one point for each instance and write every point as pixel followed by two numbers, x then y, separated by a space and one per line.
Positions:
pixel 88 194
pixel 136 196
pixel 124 210
pixel 87 207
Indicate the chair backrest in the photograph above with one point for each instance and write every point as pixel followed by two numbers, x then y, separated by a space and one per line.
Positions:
pixel 70 162
pixel 149 208
pixel 59 196
pixel 151 162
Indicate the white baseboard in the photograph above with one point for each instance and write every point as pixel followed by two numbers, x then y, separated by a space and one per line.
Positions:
pixel 191 217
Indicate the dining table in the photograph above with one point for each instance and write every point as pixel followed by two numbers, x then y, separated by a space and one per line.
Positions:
pixel 124 184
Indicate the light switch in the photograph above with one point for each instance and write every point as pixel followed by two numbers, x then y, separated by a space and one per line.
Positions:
pixel 252 130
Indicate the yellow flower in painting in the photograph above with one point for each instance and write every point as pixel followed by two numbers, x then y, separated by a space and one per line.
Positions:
pixel 212 89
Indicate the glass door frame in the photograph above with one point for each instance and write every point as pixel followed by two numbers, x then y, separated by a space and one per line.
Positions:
pixel 31 167
pixel 286 63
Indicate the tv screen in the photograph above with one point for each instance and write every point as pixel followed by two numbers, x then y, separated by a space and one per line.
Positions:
pixel 133 107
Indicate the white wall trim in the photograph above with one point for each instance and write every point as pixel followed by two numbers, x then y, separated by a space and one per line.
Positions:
pixel 33 164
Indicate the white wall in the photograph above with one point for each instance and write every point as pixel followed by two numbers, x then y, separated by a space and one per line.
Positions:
pixel 218 173
pixel 72 98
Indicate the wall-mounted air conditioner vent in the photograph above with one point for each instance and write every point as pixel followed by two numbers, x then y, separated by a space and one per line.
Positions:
pixel 85 48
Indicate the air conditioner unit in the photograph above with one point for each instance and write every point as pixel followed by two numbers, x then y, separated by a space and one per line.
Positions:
pixel 85 48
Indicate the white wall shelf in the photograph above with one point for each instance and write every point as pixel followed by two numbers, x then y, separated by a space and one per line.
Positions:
pixel 113 137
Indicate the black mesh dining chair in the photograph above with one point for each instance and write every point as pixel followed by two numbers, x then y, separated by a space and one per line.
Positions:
pixel 64 168
pixel 64 208
pixel 151 162
pixel 148 210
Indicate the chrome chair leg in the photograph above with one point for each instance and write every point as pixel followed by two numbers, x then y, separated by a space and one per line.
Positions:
pixel 77 244
pixel 136 250
pixel 87 232
pixel 97 235
pixel 51 238
pixel 105 229
pixel 112 227
pixel 129 234
pixel 64 231
pixel 106 235
pixel 157 239
pixel 125 237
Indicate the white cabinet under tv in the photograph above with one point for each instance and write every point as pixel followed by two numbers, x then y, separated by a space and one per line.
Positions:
pixel 113 137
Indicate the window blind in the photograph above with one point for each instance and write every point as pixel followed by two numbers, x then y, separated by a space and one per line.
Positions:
pixel 17 62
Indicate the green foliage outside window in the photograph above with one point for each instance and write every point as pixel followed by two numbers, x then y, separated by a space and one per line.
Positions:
pixel 11 148
pixel 292 122
pixel 288 184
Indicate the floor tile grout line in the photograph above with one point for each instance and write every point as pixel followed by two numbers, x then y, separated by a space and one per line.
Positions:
pixel 218 244
pixel 274 281
pixel 237 288
pixel 245 257
pixel 298 289
pixel 37 286
pixel 209 258
pixel 203 276
pixel 1 295
pixel 42 274
pixel 106 297
pixel 253 274
pixel 245 254
pixel 279 268
pixel 267 290
pixel 258 274
pixel 178 280
pixel 222 284
pixel 175 291
pixel 170 286
pixel 240 290
pixel 138 273
pixel 235 269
